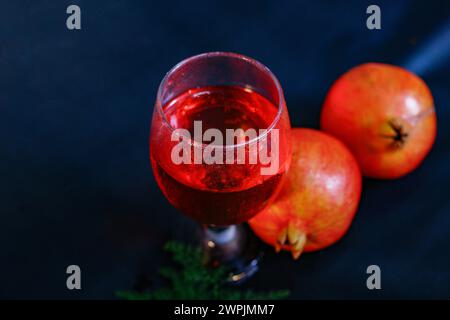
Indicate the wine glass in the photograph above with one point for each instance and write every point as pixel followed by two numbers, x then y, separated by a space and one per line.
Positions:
pixel 219 148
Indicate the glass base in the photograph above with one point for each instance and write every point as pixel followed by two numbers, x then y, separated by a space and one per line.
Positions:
pixel 235 247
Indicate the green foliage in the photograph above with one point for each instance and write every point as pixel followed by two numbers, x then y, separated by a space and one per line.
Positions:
pixel 193 280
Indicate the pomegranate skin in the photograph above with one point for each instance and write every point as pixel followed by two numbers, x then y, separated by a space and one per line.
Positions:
pixel 385 115
pixel 319 197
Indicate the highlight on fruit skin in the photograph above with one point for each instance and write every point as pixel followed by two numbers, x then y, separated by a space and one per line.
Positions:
pixel 318 199
pixel 385 115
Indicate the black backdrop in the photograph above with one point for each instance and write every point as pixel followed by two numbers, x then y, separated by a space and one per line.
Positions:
pixel 75 108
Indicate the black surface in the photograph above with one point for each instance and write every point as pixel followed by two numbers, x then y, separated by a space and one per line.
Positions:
pixel 76 184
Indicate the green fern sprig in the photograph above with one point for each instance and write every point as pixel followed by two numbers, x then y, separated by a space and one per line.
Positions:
pixel 194 280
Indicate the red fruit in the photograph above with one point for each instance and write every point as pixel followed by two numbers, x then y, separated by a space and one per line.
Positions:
pixel 318 200
pixel 385 115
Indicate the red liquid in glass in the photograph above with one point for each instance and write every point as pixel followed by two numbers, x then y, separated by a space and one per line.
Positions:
pixel 219 194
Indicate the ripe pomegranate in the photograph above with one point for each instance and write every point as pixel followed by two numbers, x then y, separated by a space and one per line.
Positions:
pixel 318 200
pixel 385 115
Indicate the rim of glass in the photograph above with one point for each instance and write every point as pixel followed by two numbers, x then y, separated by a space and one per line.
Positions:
pixel 247 59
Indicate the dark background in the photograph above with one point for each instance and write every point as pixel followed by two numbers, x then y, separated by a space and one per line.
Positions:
pixel 75 108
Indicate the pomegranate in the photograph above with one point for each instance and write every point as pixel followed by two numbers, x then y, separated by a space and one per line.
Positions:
pixel 319 197
pixel 385 115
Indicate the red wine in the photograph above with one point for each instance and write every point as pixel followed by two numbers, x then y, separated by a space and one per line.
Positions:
pixel 219 194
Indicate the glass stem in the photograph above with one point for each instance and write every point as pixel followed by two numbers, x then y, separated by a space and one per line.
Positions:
pixel 221 235
pixel 222 244
pixel 233 247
